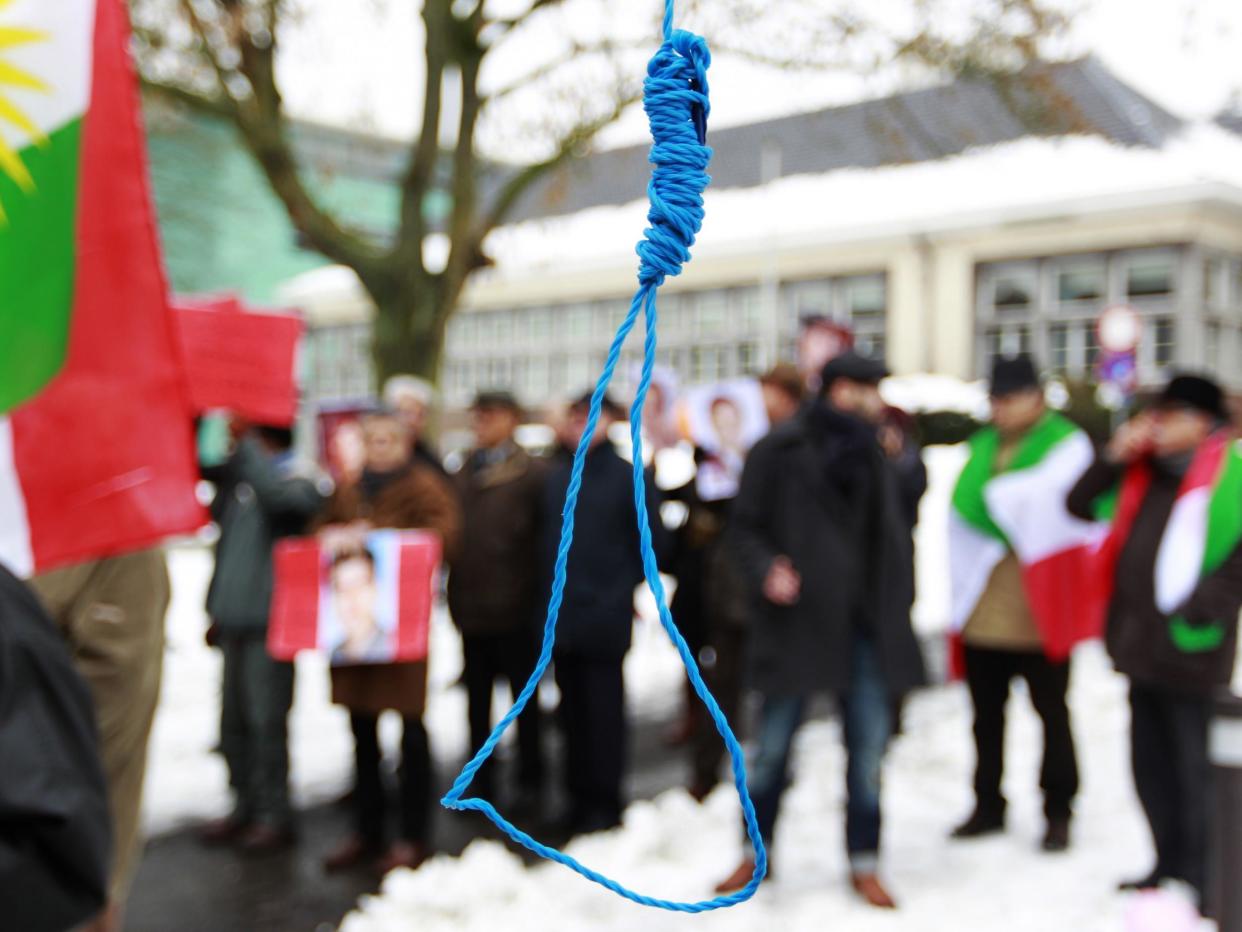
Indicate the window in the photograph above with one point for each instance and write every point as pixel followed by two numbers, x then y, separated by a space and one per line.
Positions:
pixel 745 307
pixel 1008 341
pixel 747 358
pixel 1215 294
pixel 1149 277
pixel 1081 282
pixel 578 372
pixel 1091 345
pixel 485 329
pixel 607 316
pixel 865 298
pixel 1013 292
pixel 870 344
pixel 1165 341
pixel 1058 347
pixel 578 323
pixel 537 378
pixel 1211 346
pixel 538 325
pixel 713 313
pixel 503 323
pixel 806 299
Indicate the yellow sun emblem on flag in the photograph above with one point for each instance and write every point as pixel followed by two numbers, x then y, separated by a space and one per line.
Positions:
pixel 10 113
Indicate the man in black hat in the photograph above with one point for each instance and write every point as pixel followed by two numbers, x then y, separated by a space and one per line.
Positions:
pixel 1002 637
pixel 1176 642
pixel 597 614
pixel 494 588
pixel 820 536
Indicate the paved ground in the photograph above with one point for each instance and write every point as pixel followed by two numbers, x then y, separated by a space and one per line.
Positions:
pixel 186 887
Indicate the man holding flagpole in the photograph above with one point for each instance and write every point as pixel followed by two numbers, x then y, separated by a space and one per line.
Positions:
pixel 1171 483
pixel 1017 560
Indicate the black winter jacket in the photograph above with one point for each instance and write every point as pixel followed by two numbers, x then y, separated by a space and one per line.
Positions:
pixel 819 491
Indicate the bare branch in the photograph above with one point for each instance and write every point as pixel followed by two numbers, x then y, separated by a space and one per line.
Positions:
pixel 570 145
pixel 261 121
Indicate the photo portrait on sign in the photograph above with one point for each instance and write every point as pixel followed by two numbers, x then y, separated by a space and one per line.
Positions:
pixel 358 602
pixel 725 420
pixel 341 450
pixel 356 598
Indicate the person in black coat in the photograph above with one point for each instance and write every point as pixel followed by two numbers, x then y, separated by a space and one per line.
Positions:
pixel 55 830
pixel 823 540
pixel 1172 669
pixel 596 617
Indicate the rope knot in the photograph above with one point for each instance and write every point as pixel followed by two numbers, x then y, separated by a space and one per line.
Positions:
pixel 675 99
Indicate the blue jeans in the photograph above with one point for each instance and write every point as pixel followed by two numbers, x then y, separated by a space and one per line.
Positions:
pixel 867 722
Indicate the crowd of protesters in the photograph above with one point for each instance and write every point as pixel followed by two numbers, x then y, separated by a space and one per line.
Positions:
pixel 799 582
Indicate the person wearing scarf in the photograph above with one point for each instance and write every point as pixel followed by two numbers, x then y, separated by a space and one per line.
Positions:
pixel 1171 483
pixel 822 543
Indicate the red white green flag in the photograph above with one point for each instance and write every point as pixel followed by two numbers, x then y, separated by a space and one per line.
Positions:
pixel 96 451
pixel 1204 528
pixel 1022 509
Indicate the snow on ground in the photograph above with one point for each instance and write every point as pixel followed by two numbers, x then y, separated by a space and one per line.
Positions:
pixel 675 848
pixel 671 846
pixel 187 782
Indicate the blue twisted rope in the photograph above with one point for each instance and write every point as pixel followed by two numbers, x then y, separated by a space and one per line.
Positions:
pixel 675 98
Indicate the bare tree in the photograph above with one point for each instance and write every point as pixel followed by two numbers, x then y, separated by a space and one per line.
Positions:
pixel 222 55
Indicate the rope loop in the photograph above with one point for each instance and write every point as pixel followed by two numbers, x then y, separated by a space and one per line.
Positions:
pixel 675 98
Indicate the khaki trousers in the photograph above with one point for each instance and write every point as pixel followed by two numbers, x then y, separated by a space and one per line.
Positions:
pixel 111 612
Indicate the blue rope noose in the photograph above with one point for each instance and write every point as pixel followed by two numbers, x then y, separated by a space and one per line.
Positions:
pixel 675 98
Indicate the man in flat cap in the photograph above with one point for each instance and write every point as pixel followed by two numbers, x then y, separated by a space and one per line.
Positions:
pixel 822 542
pixel 494 589
pixel 1171 483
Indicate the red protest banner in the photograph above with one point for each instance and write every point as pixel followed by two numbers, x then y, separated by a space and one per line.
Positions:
pixel 364 601
pixel 239 360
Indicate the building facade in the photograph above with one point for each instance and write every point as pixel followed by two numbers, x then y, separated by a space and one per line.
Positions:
pixel 945 227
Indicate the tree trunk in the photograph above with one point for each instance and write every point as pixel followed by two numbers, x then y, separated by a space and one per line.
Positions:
pixel 407 334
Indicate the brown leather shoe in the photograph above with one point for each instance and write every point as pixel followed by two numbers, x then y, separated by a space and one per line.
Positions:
pixel 868 887
pixel 402 854
pixel 740 877
pixel 352 851
pixel 262 838
pixel 223 831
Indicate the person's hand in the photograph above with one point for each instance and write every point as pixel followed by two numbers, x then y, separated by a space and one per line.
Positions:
pixel 892 441
pixel 238 426
pixel 782 585
pixel 1132 441
pixel 336 538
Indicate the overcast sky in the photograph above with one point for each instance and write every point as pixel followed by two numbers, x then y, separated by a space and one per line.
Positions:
pixel 357 62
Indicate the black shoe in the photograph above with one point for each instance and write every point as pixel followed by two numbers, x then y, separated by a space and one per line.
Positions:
pixel 1150 882
pixel 979 825
pixel 1057 836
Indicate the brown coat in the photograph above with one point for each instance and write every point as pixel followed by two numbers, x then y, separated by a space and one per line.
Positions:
pixel 419 499
pixel 496 584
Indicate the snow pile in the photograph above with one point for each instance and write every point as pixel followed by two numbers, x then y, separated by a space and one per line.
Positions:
pixel 924 391
pixel 673 847
pixel 1026 178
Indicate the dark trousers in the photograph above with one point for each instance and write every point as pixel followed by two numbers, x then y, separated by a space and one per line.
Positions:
pixel 511 657
pixel 414 781
pixel 989 673
pixel 592 714
pixel 1168 744
pixel 724 676
pixel 867 717
pixel 256 697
